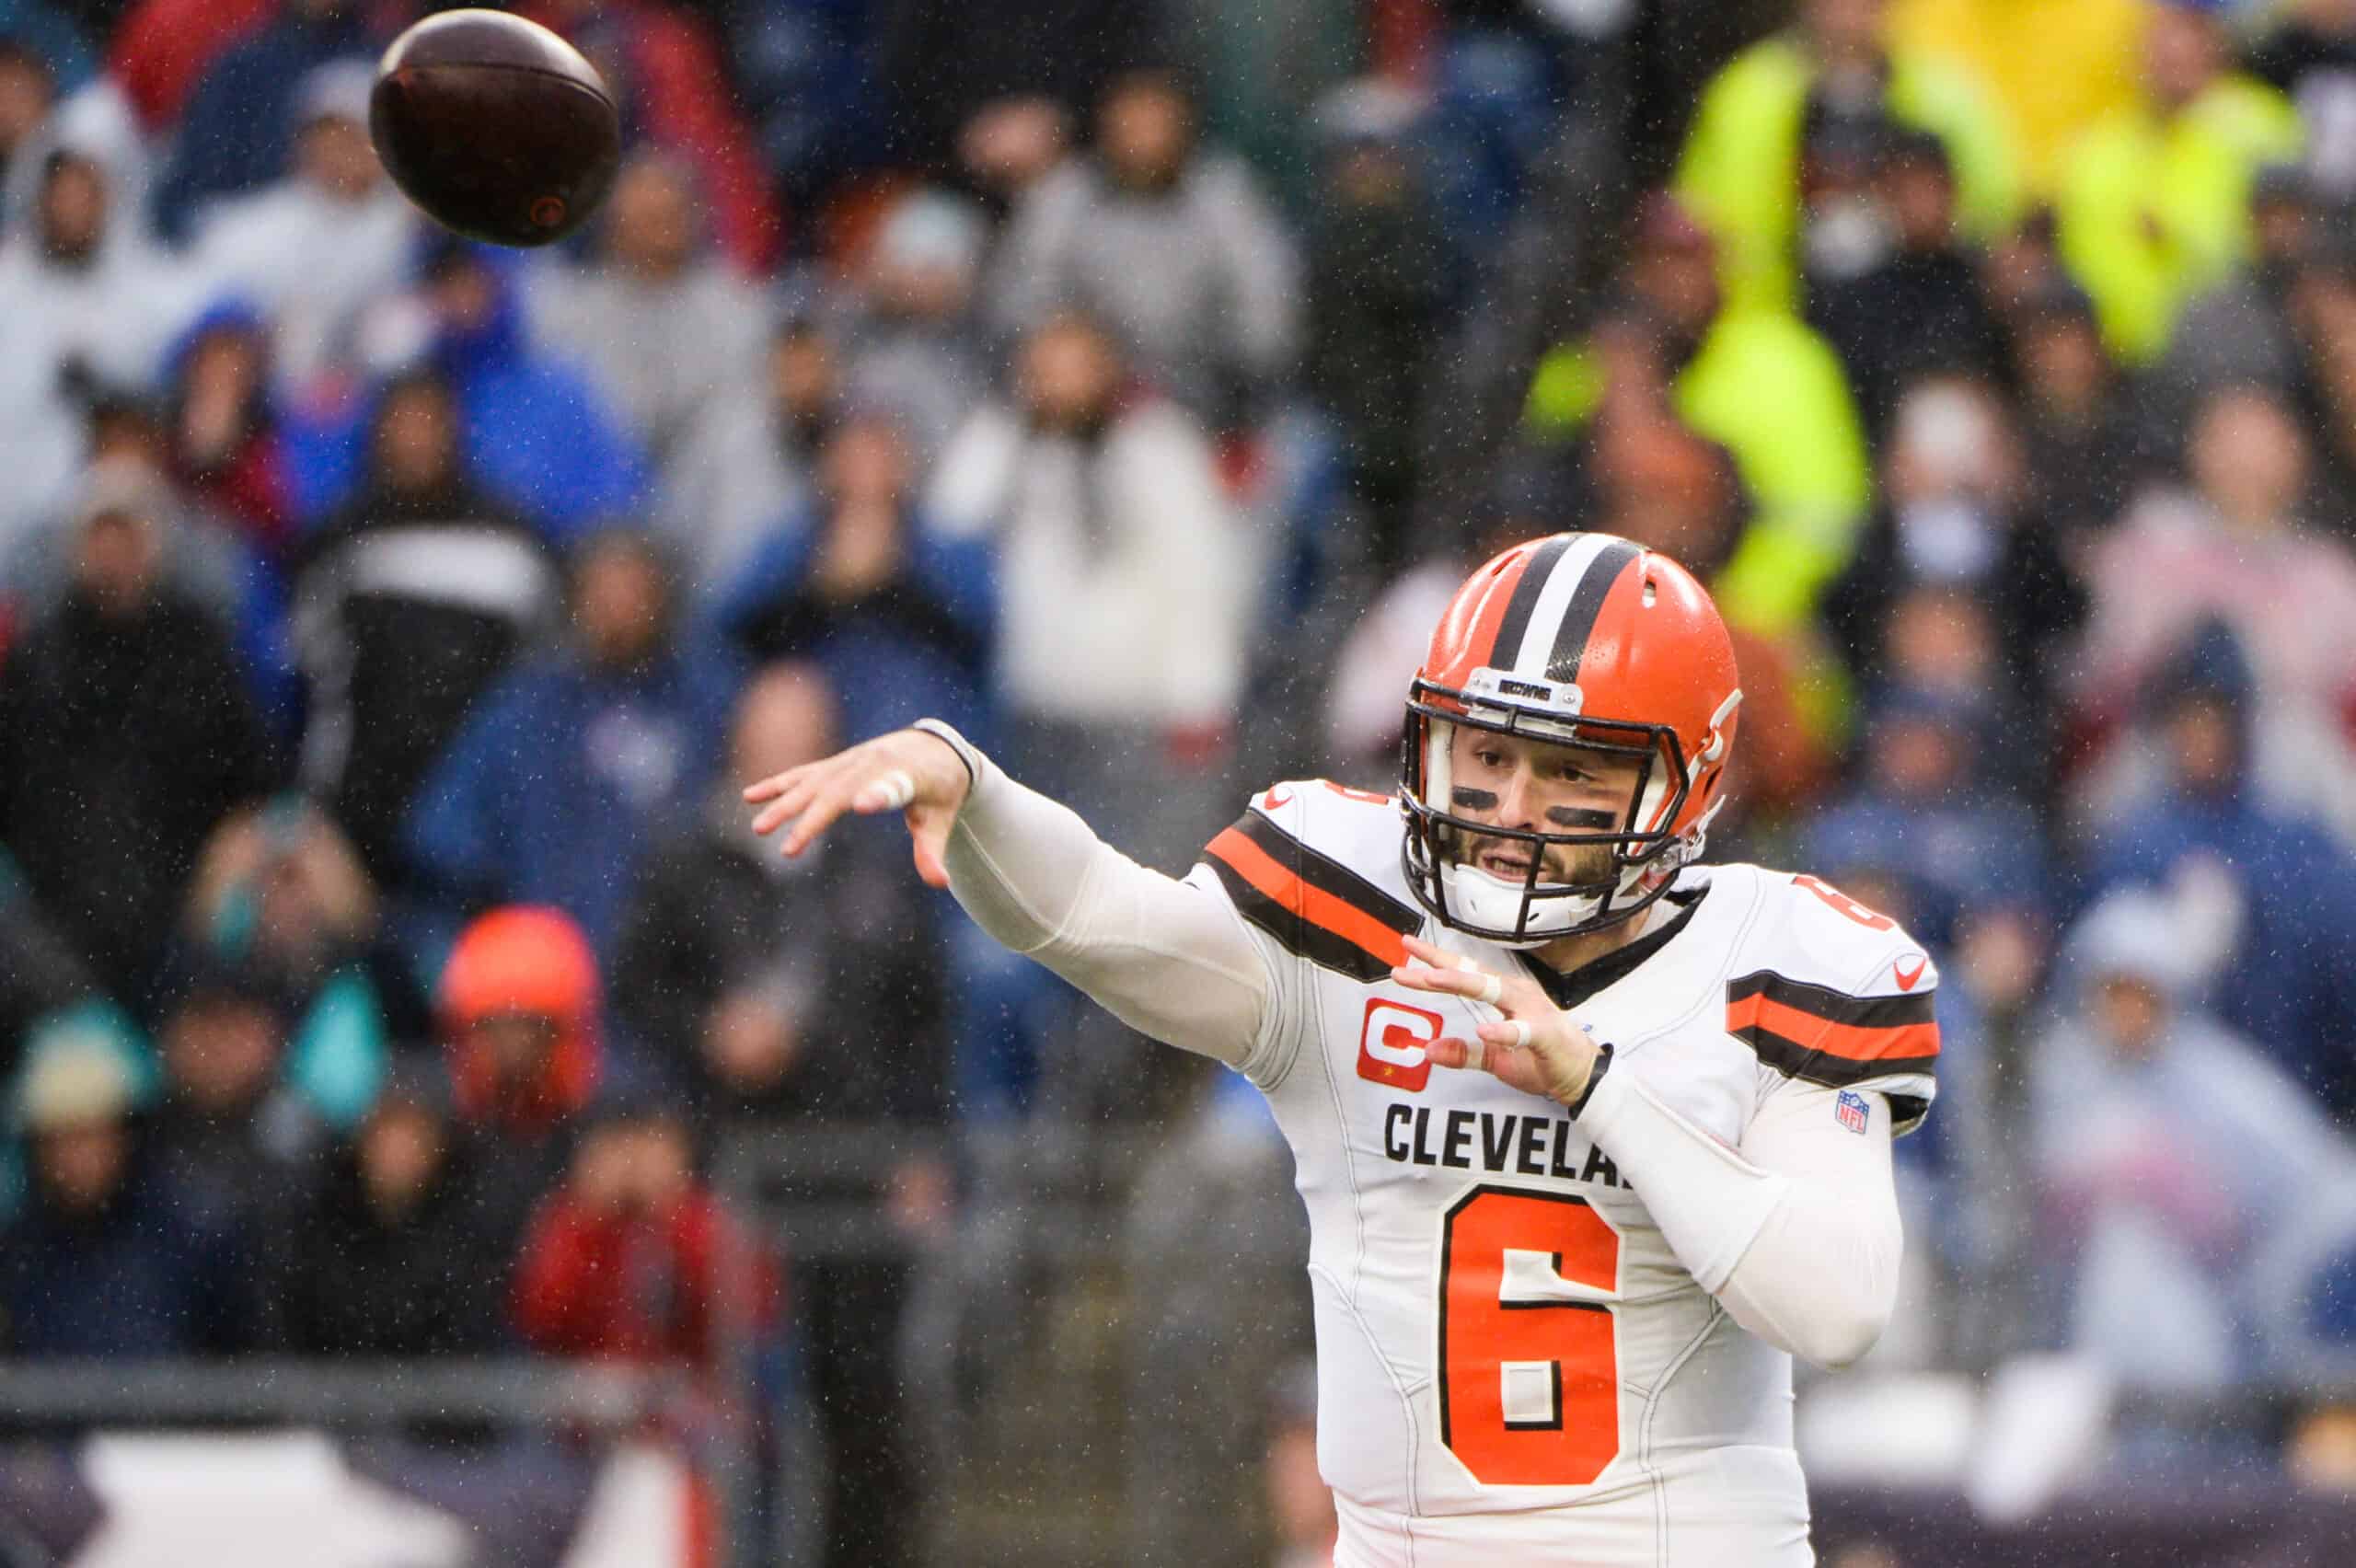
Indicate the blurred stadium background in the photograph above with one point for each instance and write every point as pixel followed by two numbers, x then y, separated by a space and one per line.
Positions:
pixel 435 1134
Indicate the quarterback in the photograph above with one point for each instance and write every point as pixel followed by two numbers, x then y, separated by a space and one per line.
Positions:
pixel 1593 1138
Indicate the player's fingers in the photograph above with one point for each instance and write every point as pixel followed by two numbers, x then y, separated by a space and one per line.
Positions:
pixel 1452 1051
pixel 776 784
pixel 1430 953
pixel 1451 981
pixel 928 832
pixel 1472 983
pixel 1483 984
pixel 786 806
pixel 1512 1033
pixel 825 803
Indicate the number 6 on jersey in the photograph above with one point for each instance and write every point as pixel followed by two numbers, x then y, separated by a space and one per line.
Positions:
pixel 1530 1370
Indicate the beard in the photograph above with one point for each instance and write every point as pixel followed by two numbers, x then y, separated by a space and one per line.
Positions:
pixel 1586 865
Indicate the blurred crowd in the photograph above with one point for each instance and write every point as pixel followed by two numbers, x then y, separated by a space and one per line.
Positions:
pixel 388 623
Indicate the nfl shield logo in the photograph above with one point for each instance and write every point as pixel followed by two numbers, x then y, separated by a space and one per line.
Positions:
pixel 1852 1109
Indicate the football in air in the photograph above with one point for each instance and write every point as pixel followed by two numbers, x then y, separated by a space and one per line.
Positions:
pixel 495 126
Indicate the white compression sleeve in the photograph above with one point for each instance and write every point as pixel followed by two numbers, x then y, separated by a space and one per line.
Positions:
pixel 1168 958
pixel 1796 1233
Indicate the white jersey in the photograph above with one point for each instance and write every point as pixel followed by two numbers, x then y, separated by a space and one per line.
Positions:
pixel 1514 1367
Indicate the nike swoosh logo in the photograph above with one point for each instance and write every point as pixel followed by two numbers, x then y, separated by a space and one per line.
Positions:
pixel 1907 978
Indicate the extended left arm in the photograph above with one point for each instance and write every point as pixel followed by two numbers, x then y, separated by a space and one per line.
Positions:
pixel 1797 1232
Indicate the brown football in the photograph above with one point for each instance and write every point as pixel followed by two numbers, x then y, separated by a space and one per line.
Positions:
pixel 495 126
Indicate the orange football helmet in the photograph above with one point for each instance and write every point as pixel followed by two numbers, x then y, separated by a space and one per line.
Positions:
pixel 1586 641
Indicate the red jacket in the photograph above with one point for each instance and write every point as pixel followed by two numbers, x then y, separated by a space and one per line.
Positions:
pixel 162 49
pixel 640 1287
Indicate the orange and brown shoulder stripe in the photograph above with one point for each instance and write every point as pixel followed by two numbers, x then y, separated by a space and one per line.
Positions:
pixel 1315 907
pixel 1826 1037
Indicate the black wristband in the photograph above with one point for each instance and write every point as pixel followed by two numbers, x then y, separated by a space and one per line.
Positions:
pixel 1594 1075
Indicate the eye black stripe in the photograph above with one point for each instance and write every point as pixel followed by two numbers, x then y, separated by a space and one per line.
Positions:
pixel 1586 603
pixel 1525 599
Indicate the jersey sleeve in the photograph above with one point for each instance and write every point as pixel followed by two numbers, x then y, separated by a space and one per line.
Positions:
pixel 1169 958
pixel 1844 999
pixel 1310 913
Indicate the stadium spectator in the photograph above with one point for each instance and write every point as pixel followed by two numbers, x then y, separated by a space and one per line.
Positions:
pixel 28 92
pixel 281 897
pixel 100 1223
pixel 520 1009
pixel 39 973
pixel 226 452
pixel 1655 480
pixel 1012 145
pixel 663 326
pixel 2085 460
pixel 749 462
pixel 1953 838
pixel 126 733
pixel 899 617
pixel 2310 57
pixel 2169 1149
pixel 632 1259
pixel 2237 546
pixel 2154 199
pixel 2244 328
pixel 408 602
pixel 2323 335
pixel 391 1257
pixel 231 1132
pixel 1921 309
pixel 159 51
pixel 2280 888
pixel 1170 246
pixel 54 39
pixel 917 346
pixel 762 985
pixel 312 250
pixel 567 768
pixel 238 129
pixel 538 436
pixel 662 64
pixel 2053 66
pixel 1758 382
pixel 1126 581
pixel 805 82
pixel 205 558
pixel 967 85
pixel 1379 280
pixel 1955 513
pixel 1746 166
pixel 88 304
pixel 1258 71
pixel 806 994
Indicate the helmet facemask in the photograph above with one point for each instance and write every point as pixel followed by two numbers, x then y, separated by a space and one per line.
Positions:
pixel 1642 847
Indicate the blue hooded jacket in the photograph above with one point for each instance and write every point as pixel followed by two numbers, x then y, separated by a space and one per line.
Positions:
pixel 538 436
pixel 916 648
pixel 563 773
pixel 239 126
